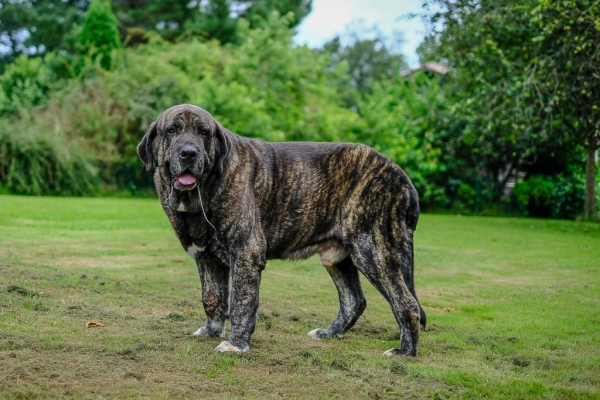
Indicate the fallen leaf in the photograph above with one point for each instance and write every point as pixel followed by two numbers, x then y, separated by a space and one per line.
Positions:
pixel 18 380
pixel 93 324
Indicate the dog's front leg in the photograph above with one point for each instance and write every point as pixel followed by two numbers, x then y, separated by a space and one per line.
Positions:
pixel 245 282
pixel 215 297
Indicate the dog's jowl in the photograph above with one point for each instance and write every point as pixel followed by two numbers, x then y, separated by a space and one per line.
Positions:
pixel 235 203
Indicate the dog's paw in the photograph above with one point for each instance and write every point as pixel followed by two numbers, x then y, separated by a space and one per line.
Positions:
pixel 398 352
pixel 206 331
pixel 324 334
pixel 225 346
pixel 202 332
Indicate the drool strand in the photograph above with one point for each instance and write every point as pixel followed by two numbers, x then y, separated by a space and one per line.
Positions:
pixel 202 207
pixel 170 194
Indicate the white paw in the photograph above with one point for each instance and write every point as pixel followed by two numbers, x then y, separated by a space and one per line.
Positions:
pixel 225 346
pixel 391 353
pixel 313 333
pixel 202 332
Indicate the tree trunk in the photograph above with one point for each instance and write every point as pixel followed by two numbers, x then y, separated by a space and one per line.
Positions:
pixel 591 208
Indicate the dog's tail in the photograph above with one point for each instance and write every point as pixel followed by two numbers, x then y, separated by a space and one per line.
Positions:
pixel 412 218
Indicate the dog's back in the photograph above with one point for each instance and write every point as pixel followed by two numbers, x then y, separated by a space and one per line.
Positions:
pixel 314 192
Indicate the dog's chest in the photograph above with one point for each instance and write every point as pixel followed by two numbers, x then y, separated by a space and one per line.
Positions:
pixel 193 233
pixel 200 248
pixel 195 251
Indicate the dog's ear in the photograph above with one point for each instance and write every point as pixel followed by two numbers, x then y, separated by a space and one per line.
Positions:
pixel 144 149
pixel 224 147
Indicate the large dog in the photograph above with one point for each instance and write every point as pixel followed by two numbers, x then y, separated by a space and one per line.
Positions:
pixel 235 203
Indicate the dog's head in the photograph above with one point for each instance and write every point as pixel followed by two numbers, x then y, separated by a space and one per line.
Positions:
pixel 188 145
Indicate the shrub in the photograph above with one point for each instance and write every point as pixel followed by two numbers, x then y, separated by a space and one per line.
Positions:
pixel 41 162
pixel 24 84
pixel 561 196
pixel 534 195
pixel 568 196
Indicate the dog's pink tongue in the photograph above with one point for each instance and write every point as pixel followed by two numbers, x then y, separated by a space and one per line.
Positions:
pixel 186 179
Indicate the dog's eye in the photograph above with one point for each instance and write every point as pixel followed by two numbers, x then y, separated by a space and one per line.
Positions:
pixel 203 131
pixel 171 130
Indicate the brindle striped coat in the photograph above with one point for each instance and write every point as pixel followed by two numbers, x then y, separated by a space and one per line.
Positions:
pixel 235 203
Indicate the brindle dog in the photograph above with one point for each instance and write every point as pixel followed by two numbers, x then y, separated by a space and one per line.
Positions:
pixel 235 203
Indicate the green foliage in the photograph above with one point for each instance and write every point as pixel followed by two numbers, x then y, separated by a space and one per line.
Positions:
pixel 494 126
pixel 399 116
pixel 215 22
pixel 41 162
pixel 218 19
pixel 567 34
pixel 265 87
pixel 100 33
pixel 268 88
pixel 165 17
pixel 518 88
pixel 534 195
pixel 561 196
pixel 36 27
pixel 367 61
pixel 25 83
pixel 566 66
pixel 39 26
pixel 258 11
pixel 466 194
pixel 568 196
pixel 506 110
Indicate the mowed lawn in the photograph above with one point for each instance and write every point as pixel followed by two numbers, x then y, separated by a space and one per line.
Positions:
pixel 513 310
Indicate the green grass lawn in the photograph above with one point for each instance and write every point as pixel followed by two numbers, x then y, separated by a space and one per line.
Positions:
pixel 513 309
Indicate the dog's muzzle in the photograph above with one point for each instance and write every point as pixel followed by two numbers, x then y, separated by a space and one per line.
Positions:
pixel 187 159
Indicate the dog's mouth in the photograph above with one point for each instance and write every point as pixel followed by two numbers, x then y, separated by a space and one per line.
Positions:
pixel 185 181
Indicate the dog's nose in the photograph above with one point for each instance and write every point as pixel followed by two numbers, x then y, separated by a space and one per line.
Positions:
pixel 188 153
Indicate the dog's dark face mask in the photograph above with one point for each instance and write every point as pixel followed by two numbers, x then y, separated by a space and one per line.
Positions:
pixel 189 147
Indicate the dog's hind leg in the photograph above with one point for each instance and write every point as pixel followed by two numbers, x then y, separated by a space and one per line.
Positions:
pixel 383 268
pixel 352 301
pixel 215 298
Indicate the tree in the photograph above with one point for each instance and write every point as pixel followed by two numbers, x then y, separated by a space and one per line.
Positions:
pixel 100 33
pixel 512 77
pixel 216 22
pixel 258 11
pixel 368 60
pixel 38 26
pixel 566 74
pixel 166 17
pixel 218 19
pixel 35 27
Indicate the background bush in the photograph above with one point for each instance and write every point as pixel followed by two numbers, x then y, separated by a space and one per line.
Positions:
pixel 79 112
pixel 41 162
pixel 561 196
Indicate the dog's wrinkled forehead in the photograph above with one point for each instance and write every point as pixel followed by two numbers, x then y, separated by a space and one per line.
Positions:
pixel 186 115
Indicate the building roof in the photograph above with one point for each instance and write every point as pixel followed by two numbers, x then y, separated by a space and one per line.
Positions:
pixel 431 67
